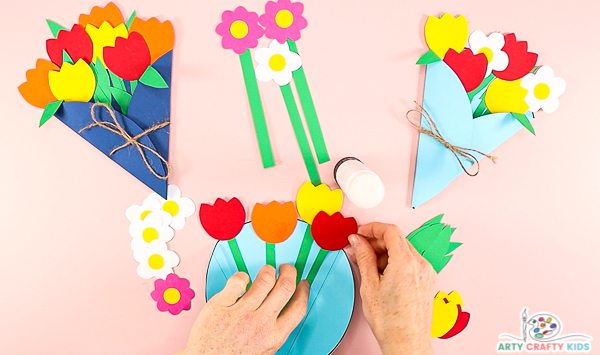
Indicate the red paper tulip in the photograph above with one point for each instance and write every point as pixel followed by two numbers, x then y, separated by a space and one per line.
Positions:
pixel 460 325
pixel 331 232
pixel 129 58
pixel 223 220
pixel 520 62
pixel 470 68
pixel 76 42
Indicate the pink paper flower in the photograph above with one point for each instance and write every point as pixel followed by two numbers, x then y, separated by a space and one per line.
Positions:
pixel 240 30
pixel 173 294
pixel 283 19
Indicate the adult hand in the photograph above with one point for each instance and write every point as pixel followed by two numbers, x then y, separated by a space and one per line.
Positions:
pixel 255 323
pixel 396 289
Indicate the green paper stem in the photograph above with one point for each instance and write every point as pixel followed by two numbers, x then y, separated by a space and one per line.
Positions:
pixel 310 113
pixel 55 28
pixel 309 161
pixel 483 85
pixel 258 114
pixel 307 242
pixel 133 84
pixel 524 121
pixel 237 257
pixel 117 82
pixel 49 111
pixel 271 255
pixel 317 265
pixel 130 20
pixel 67 57
pixel 480 110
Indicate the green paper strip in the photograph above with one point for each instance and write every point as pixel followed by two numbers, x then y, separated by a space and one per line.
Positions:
pixel 292 109
pixel 122 97
pixel 483 85
pixel 317 265
pixel 152 78
pixel 310 113
pixel 271 255
pixel 524 121
pixel 102 92
pixel 66 57
pixel 133 84
pixel 55 28
pixel 256 107
pixel 481 108
pixel 130 20
pixel 49 111
pixel 428 58
pixel 237 257
pixel 307 242
pixel 117 82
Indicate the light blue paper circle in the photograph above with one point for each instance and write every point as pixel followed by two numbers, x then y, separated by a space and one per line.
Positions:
pixel 331 301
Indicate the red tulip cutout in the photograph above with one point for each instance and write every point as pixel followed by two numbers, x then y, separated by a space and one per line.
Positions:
pixel 520 62
pixel 223 220
pixel 470 68
pixel 77 43
pixel 129 58
pixel 331 232
pixel 460 325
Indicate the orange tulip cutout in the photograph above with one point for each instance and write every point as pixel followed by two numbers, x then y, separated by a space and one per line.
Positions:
pixel 36 90
pixel 274 223
pixel 158 35
pixel 110 13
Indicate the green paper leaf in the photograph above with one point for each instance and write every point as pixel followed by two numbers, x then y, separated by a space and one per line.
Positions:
pixel 133 84
pixel 428 58
pixel 101 74
pixel 426 237
pixel 117 82
pixel 102 92
pixel 524 121
pixel 432 241
pixel 453 247
pixel 49 111
pixel 122 97
pixel 481 108
pixel 130 20
pixel 55 28
pixel 153 79
pixel 438 265
pixel 67 57
pixel 434 220
pixel 483 85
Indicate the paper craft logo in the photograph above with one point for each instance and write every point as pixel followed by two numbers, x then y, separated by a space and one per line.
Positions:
pixel 541 334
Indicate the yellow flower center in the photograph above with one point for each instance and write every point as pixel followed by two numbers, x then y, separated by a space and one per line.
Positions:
pixel 149 234
pixel 156 261
pixel 144 214
pixel 172 295
pixel 284 18
pixel 277 62
pixel 541 91
pixel 489 54
pixel 238 29
pixel 171 207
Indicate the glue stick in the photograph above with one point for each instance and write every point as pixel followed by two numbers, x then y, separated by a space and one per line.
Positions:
pixel 362 186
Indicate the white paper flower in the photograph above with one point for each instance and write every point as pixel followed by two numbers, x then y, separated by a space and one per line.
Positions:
pixel 151 228
pixel 491 46
pixel 276 63
pixel 156 260
pixel 543 89
pixel 137 214
pixel 178 207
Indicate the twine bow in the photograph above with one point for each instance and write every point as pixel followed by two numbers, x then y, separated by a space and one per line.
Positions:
pixel 116 128
pixel 434 133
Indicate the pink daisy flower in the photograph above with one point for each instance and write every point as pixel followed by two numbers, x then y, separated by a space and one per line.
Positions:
pixel 173 294
pixel 283 19
pixel 240 30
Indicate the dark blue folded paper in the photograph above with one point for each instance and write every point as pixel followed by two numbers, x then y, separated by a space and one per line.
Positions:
pixel 148 107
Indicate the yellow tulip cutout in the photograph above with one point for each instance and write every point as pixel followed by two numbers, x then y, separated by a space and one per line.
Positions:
pixel 312 199
pixel 506 96
pixel 446 32
pixel 445 312
pixel 104 36
pixel 74 82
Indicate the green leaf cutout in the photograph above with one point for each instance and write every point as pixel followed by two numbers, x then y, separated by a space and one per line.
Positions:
pixel 67 57
pixel 130 20
pixel 483 85
pixel 49 111
pixel 55 27
pixel 133 84
pixel 153 79
pixel 117 82
pixel 122 97
pixel 524 121
pixel 428 58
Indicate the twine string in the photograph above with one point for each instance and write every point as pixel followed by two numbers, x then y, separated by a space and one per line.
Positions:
pixel 116 128
pixel 435 133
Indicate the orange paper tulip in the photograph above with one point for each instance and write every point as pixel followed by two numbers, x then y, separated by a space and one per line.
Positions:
pixel 36 90
pixel 110 13
pixel 158 35
pixel 274 223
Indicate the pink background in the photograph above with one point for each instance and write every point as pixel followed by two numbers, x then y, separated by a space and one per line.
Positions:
pixel 529 224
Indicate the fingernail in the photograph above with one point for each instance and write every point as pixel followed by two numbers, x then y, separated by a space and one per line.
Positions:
pixel 353 239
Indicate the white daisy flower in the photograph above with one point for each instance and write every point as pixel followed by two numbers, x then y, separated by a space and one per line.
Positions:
pixel 178 207
pixel 136 214
pixel 543 89
pixel 151 228
pixel 156 260
pixel 276 63
pixel 491 46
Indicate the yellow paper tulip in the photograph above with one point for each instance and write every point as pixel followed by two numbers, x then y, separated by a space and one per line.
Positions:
pixel 506 96
pixel 446 32
pixel 104 36
pixel 312 199
pixel 445 312
pixel 73 82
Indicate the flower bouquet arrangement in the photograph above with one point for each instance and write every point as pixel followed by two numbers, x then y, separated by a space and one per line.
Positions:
pixel 108 80
pixel 280 62
pixel 475 98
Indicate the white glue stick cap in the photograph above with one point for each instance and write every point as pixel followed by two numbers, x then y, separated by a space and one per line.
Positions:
pixel 362 186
